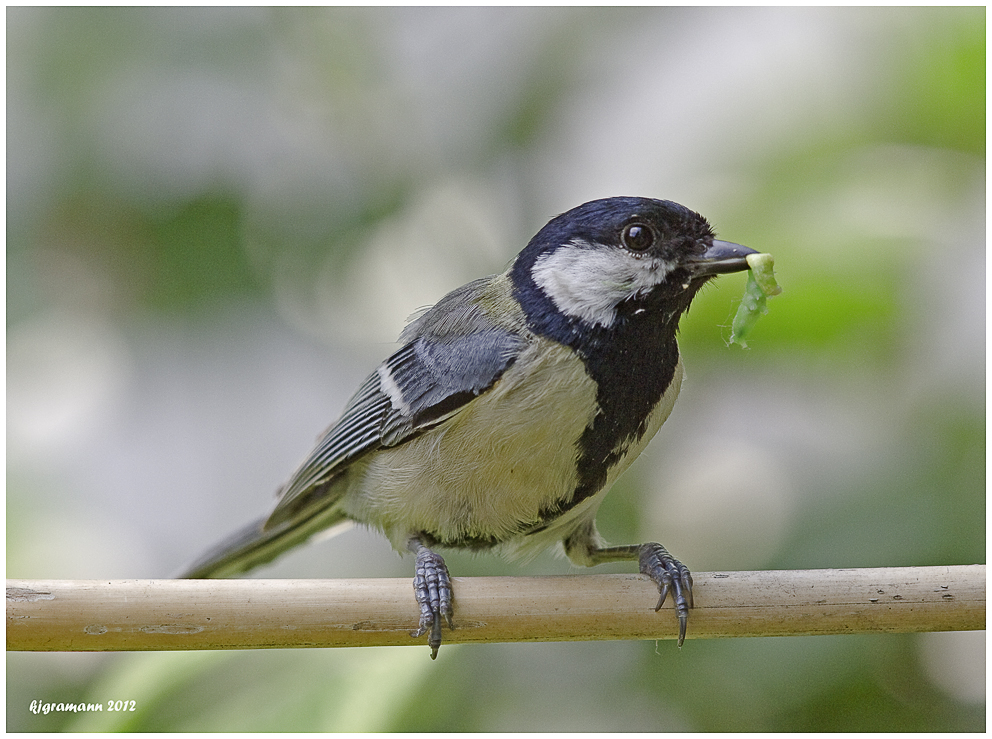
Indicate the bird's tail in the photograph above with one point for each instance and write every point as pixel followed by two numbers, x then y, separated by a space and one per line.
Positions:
pixel 253 546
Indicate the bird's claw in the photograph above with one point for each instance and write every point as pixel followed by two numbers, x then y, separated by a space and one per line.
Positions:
pixel 432 586
pixel 671 576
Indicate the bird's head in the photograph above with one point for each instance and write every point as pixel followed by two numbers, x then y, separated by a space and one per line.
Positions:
pixel 617 260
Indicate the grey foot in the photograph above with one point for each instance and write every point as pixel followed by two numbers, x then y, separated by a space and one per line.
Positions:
pixel 671 576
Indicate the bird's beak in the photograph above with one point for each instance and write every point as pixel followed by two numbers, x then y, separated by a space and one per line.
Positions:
pixel 721 258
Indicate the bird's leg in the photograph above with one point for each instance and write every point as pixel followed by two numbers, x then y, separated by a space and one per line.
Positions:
pixel 670 575
pixel 432 586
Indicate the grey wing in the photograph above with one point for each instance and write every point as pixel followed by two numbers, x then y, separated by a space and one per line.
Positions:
pixel 355 434
pixel 425 382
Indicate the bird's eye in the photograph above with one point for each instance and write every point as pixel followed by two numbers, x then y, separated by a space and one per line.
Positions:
pixel 637 236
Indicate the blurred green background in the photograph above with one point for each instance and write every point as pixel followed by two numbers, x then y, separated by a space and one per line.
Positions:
pixel 218 220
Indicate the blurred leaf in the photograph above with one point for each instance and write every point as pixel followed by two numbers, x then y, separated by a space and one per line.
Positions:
pixel 198 258
pixel 359 690
pixel 938 82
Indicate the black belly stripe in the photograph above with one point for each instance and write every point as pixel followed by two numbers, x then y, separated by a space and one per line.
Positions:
pixel 633 366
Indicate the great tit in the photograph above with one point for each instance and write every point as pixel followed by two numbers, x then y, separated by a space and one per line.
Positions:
pixel 511 407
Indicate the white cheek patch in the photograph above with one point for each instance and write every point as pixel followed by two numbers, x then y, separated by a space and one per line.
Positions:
pixel 588 281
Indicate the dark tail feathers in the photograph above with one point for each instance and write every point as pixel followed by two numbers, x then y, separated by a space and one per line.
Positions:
pixel 252 546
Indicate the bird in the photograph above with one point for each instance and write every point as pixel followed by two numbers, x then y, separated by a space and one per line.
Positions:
pixel 511 407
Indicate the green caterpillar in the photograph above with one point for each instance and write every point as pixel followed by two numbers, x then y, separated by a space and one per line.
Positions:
pixel 761 285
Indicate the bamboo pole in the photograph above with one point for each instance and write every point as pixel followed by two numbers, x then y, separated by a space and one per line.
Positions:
pixel 149 615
